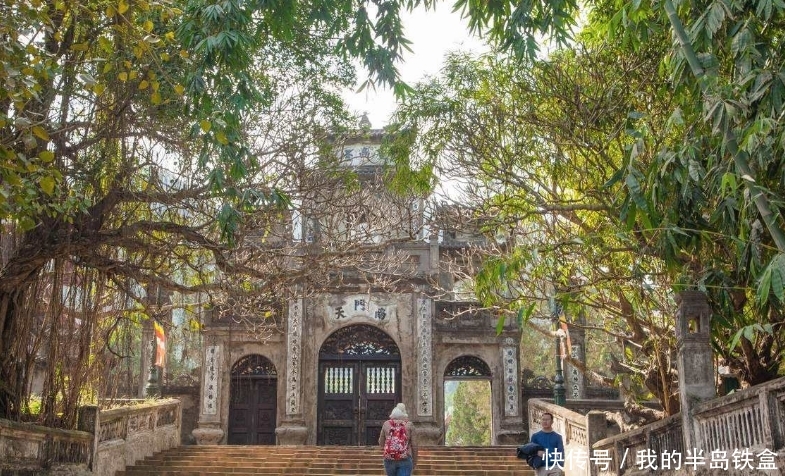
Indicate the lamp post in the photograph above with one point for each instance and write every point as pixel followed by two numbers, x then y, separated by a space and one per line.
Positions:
pixel 153 389
pixel 559 391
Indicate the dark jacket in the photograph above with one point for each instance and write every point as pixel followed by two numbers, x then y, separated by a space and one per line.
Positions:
pixel 529 453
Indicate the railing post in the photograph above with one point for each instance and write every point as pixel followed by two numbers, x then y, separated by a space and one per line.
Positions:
pixel 88 419
pixel 695 363
pixel 596 430
pixel 772 438
pixel 618 449
pixel 776 410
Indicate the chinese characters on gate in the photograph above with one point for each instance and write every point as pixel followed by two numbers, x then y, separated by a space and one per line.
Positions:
pixel 362 307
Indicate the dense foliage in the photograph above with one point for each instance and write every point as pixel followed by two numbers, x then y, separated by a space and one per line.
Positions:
pixel 141 142
pixel 624 168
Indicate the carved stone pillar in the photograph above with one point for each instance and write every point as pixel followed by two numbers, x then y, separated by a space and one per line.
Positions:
pixel 511 381
pixel 424 358
pixel 510 429
pixel 209 430
pixel 695 363
pixel 575 380
pixel 293 431
pixel 428 431
pixel 145 354
pixel 294 357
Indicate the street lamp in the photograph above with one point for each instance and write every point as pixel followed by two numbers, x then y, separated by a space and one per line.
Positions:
pixel 559 391
pixel 153 388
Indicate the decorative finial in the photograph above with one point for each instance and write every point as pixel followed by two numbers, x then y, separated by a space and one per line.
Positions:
pixel 365 123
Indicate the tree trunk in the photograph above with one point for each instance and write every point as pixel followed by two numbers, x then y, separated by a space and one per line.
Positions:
pixel 11 372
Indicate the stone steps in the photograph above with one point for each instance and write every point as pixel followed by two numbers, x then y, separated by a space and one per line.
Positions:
pixel 325 461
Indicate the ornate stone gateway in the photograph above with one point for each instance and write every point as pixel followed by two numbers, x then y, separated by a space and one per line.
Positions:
pixel 252 405
pixel 359 384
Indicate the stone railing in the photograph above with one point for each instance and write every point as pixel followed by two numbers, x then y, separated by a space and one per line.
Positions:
pixel 24 446
pixel 617 455
pixel 578 431
pixel 105 442
pixel 127 434
pixel 753 418
pixel 750 420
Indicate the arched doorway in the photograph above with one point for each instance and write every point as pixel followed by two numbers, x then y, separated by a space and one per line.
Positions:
pixel 359 384
pixel 253 401
pixel 468 409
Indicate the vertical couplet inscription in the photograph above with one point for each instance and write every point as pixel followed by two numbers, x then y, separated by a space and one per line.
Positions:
pixel 212 365
pixel 294 346
pixel 424 353
pixel 510 360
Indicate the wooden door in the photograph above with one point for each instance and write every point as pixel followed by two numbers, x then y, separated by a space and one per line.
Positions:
pixel 379 393
pixel 359 385
pixel 338 403
pixel 253 402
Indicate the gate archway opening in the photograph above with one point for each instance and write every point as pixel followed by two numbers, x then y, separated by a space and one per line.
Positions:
pixel 359 384
pixel 468 412
pixel 253 398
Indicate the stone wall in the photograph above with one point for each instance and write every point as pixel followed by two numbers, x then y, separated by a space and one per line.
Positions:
pixel 189 404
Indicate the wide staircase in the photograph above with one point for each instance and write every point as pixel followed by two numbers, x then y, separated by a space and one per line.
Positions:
pixel 325 461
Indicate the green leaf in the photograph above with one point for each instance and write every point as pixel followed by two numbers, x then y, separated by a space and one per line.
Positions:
pixel 749 333
pixel 776 284
pixel 500 324
pixel 615 178
pixel 221 138
pixel 525 313
pixel 735 341
pixel 47 184
pixel 764 286
pixel 696 170
pixel 41 133
pixel 676 118
pixel 26 223
pixel 728 184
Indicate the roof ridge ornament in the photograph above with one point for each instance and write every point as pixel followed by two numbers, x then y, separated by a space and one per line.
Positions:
pixel 365 123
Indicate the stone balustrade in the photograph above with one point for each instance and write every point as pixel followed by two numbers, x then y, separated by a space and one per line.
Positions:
pixel 23 446
pixel 106 441
pixel 127 434
pixel 750 420
pixel 616 455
